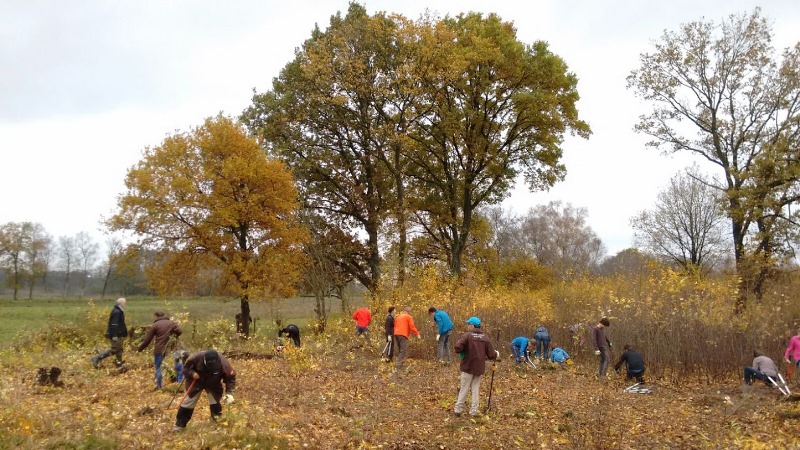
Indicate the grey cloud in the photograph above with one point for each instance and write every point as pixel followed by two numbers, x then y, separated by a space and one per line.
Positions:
pixel 60 59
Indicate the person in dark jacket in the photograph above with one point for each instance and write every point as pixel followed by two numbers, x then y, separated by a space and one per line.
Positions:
pixel 388 331
pixel 602 345
pixel 634 364
pixel 161 330
pixel 117 331
pixel 207 370
pixel 291 331
pixel 476 348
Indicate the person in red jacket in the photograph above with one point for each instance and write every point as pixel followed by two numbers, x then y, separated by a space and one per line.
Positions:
pixel 403 328
pixel 363 318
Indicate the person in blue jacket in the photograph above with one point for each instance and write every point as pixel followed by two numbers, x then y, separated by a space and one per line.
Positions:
pixel 519 347
pixel 559 355
pixel 444 330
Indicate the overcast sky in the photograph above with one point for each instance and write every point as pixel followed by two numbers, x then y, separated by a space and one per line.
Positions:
pixel 86 85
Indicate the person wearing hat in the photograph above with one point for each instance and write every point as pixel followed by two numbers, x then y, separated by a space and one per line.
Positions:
pixel 207 370
pixel 634 364
pixel 476 348
pixel 161 330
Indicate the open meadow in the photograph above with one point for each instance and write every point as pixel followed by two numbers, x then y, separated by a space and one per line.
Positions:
pixel 328 394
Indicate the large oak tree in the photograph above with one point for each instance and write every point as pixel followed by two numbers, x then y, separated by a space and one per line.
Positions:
pixel 387 122
pixel 491 108
pixel 212 192
pixel 327 117
pixel 718 91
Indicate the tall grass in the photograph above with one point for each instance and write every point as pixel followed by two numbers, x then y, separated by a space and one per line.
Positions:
pixel 22 317
pixel 684 325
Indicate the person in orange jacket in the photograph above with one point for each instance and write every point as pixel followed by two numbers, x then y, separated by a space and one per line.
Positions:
pixel 403 328
pixel 363 318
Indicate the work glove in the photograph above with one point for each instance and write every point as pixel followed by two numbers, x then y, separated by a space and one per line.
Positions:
pixel 437 338
pixel 497 354
pixel 227 399
pixel 610 345
pixel 597 352
pixel 388 339
pixel 787 361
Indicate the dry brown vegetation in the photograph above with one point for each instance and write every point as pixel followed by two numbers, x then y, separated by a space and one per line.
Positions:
pixel 327 395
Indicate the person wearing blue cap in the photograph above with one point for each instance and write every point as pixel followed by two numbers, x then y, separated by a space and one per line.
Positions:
pixel 476 348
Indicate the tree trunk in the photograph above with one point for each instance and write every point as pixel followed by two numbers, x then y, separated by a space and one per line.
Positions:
pixel 321 312
pixel 245 305
pixel 374 260
pixel 737 233
pixel 401 219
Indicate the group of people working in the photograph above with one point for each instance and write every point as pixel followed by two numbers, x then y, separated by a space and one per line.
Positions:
pixel 208 370
pixel 764 368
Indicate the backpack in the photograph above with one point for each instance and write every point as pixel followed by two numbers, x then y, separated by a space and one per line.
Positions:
pixel 558 355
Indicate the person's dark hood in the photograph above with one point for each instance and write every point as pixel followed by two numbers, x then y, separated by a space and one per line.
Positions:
pixel 212 362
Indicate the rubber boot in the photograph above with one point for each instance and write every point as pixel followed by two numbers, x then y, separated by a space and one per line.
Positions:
pixel 183 417
pixel 100 357
pixel 216 410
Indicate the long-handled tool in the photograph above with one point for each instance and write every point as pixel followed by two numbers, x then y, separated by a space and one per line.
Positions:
pixel 491 382
pixel 783 387
pixel 184 395
pixel 173 396
pixel 528 360
pixel 387 349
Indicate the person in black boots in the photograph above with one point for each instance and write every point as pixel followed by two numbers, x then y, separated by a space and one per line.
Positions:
pixel 206 371
pixel 117 331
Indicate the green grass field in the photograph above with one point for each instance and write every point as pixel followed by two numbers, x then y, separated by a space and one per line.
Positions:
pixel 18 316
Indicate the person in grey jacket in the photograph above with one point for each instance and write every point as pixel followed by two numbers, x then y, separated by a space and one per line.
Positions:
pixel 117 331
pixel 762 368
